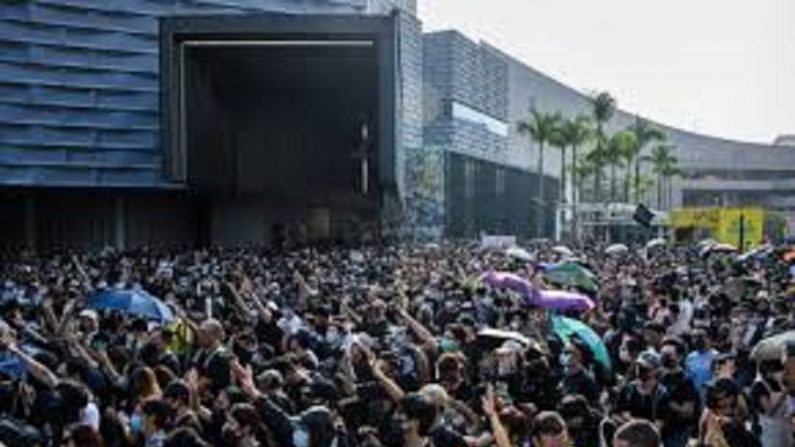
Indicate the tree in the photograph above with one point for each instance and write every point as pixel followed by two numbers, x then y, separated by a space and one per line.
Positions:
pixel 573 133
pixel 645 133
pixel 619 146
pixel 540 127
pixel 665 166
pixel 603 107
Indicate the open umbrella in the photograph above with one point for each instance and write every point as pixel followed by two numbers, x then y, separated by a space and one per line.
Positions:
pixel 756 253
pixel 616 249
pixel 771 347
pixel 507 335
pixel 520 254
pixel 566 328
pixel 562 300
pixel 572 274
pixel 654 243
pixel 133 302
pixel 510 281
pixel 706 243
pixel 717 248
pixel 563 251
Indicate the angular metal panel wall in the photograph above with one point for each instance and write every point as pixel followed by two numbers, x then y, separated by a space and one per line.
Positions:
pixel 495 199
pixel 79 87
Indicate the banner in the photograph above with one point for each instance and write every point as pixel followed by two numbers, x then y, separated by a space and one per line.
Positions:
pixel 489 241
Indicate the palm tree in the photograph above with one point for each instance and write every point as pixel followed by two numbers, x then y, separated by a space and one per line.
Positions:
pixel 573 133
pixel 645 133
pixel 584 170
pixel 618 146
pixel 603 107
pixel 541 128
pixel 629 149
pixel 664 165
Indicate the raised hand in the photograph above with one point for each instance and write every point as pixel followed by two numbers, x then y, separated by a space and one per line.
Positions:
pixel 489 404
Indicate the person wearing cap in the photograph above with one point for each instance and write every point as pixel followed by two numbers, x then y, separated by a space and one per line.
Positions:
pixel 88 320
pixel 644 397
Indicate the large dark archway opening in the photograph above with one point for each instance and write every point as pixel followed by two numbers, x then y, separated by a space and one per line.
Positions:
pixel 283 124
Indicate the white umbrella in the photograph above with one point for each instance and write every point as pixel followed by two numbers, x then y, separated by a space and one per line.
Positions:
pixel 617 249
pixel 563 251
pixel 722 248
pixel 520 254
pixel 771 347
pixel 717 248
pixel 758 252
pixel 500 334
pixel 707 243
pixel 658 242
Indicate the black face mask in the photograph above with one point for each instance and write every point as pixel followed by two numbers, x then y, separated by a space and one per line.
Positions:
pixel 244 355
pixel 668 361
pixel 644 374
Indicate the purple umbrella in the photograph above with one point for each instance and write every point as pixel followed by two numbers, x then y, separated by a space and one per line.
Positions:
pixel 562 300
pixel 546 299
pixel 511 281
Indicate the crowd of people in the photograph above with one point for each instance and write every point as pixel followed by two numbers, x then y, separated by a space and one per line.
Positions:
pixel 393 346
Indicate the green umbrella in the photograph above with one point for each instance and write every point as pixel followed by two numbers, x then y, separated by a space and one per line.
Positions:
pixel 572 274
pixel 566 328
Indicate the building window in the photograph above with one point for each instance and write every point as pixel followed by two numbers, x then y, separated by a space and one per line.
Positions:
pixel 465 113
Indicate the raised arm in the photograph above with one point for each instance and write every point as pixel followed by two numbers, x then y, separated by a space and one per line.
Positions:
pixel 393 390
pixel 427 339
pixel 501 437
pixel 38 370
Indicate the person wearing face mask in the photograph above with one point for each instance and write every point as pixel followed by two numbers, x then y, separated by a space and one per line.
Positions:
pixel 679 411
pixel 699 361
pixel 644 397
pixel 770 401
pixel 627 354
pixel 576 377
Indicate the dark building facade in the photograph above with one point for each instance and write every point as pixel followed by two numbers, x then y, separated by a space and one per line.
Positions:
pixel 84 154
pixel 491 180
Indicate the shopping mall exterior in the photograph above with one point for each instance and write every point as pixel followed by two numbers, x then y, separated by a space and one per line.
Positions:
pixel 146 122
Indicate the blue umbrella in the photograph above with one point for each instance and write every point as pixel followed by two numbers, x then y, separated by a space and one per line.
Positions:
pixel 566 328
pixel 133 302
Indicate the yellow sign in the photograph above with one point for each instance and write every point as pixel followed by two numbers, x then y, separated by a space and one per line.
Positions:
pixel 695 217
pixel 727 225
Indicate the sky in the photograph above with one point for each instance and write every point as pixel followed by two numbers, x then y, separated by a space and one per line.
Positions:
pixel 718 67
